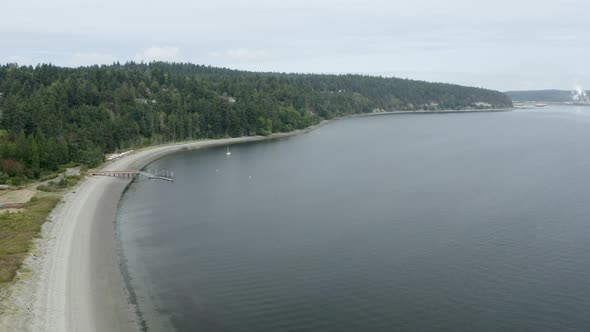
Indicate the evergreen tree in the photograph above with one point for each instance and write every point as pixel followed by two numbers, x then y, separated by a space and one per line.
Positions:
pixel 51 116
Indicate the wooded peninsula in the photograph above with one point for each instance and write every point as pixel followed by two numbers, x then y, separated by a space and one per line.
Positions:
pixel 51 116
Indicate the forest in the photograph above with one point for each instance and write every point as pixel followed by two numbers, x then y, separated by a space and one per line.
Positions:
pixel 551 96
pixel 51 116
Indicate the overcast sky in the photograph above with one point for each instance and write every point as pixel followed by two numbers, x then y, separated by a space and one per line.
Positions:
pixel 499 44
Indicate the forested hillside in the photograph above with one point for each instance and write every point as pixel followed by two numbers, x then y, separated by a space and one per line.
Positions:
pixel 553 96
pixel 52 115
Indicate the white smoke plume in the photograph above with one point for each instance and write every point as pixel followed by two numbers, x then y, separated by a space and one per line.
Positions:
pixel 579 95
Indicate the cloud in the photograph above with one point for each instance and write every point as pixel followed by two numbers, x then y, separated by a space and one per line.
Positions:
pixel 242 54
pixel 155 53
pixel 89 59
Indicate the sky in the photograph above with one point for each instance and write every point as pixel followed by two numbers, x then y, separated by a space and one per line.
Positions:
pixel 499 44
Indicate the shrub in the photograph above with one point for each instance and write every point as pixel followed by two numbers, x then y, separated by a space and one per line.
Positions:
pixel 72 180
pixel 3 177
pixel 46 188
pixel 48 177
pixel 65 182
pixel 16 181
pixel 12 167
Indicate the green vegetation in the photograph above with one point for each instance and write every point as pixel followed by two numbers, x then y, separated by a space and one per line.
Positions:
pixel 17 230
pixel 51 116
pixel 65 182
pixel 553 96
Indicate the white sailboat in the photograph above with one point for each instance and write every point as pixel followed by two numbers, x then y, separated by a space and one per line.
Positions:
pixel 228 153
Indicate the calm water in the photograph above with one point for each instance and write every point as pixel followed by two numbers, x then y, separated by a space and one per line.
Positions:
pixel 453 222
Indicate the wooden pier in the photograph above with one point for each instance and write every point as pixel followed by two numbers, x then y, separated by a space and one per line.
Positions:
pixel 164 175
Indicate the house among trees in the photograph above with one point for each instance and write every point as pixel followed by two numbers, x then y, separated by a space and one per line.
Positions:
pixel 144 101
pixel 229 99
pixel 481 104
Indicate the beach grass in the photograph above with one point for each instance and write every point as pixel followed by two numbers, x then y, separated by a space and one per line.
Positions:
pixel 66 182
pixel 18 229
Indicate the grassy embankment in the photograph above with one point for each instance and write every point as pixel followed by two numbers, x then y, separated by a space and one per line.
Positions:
pixel 19 229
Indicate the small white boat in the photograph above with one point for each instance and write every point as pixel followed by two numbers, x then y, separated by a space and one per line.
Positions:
pixel 228 153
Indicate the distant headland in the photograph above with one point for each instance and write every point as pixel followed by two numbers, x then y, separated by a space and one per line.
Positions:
pixel 577 96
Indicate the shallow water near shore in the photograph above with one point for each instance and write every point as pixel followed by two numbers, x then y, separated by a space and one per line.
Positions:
pixel 412 222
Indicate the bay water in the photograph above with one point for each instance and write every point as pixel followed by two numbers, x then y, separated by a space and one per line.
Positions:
pixel 405 222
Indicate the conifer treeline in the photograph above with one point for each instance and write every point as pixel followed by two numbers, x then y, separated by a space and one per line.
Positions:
pixel 53 115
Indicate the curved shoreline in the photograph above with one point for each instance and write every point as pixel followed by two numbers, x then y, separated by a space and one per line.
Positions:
pixel 76 282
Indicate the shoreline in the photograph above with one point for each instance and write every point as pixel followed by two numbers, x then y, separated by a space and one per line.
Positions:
pixel 75 280
pixel 487 110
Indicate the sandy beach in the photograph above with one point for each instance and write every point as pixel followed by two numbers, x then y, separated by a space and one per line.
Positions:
pixel 73 281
